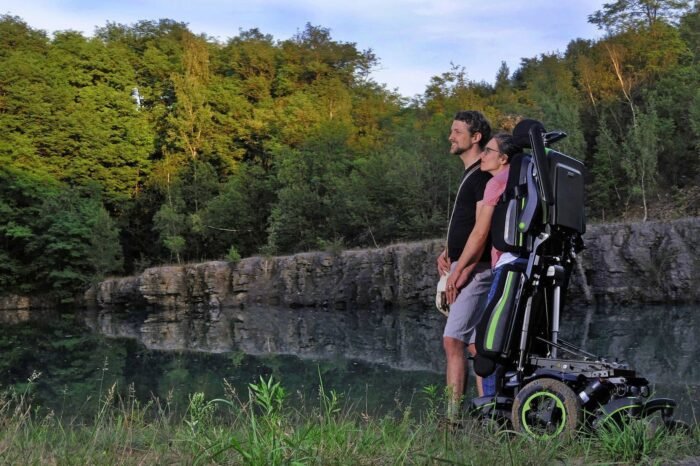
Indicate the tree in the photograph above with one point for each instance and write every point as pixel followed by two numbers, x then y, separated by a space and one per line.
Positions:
pixel 313 55
pixel 22 192
pixel 387 197
pixel 604 196
pixel 640 155
pixel 191 120
pixel 69 110
pixel 252 58
pixel 694 111
pixel 502 77
pixel 74 243
pixel 105 252
pixel 308 208
pixel 622 15
pixel 17 36
pixel 171 225
pixel 237 215
pixel 550 88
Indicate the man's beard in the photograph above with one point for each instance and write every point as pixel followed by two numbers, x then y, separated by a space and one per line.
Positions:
pixel 459 150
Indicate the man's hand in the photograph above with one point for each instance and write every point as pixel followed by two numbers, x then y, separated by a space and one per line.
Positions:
pixel 443 263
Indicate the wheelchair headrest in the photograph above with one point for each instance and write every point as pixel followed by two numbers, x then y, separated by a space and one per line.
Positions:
pixel 521 132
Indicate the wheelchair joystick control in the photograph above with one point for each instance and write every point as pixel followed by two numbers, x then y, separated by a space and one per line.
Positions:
pixel 590 391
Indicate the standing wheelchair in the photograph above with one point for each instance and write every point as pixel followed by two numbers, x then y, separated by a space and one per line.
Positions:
pixel 545 386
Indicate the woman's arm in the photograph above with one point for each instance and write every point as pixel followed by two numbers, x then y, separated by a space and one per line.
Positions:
pixel 472 252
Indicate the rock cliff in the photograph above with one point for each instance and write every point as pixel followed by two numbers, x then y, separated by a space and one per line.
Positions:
pixel 653 262
pixel 622 263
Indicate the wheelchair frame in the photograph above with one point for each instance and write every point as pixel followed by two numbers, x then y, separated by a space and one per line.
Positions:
pixel 547 387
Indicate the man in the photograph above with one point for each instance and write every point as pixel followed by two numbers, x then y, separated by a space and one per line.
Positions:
pixel 495 160
pixel 468 135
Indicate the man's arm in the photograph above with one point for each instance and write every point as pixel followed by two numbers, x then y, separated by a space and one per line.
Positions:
pixel 472 250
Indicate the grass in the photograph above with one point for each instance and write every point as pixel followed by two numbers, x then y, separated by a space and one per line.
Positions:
pixel 268 426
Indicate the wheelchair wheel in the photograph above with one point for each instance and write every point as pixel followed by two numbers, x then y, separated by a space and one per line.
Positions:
pixel 545 409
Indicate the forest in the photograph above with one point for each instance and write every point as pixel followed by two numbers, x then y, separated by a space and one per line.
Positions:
pixel 146 144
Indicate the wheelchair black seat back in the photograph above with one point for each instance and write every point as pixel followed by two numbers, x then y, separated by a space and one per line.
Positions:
pixel 546 386
pixel 540 218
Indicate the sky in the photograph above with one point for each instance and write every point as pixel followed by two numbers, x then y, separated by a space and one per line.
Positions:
pixel 413 39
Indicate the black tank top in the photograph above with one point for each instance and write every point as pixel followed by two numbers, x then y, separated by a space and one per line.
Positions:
pixel 463 218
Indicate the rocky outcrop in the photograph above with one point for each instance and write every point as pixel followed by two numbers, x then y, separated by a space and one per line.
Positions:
pixel 402 275
pixel 651 262
pixel 622 263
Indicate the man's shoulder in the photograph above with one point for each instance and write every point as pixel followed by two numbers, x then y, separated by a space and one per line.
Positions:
pixel 483 175
pixel 480 179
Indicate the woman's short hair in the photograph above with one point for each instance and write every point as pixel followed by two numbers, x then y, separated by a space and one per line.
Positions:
pixel 506 144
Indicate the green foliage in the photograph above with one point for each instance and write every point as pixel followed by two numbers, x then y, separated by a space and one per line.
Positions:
pixel 605 195
pixel 233 255
pixel 632 441
pixel 56 240
pixel 178 147
pixel 309 204
pixel 239 213
pixel 230 431
pixel 621 14
pixel 551 89
pixel 105 254
pixel 170 222
pixel 640 154
pixel 435 402
pixel 199 413
pixel 694 118
pixel 269 396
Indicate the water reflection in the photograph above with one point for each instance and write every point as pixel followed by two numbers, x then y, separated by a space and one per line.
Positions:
pixel 78 367
pixel 659 341
pixel 378 359
pixel 409 340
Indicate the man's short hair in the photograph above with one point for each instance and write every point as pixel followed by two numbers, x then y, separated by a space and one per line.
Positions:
pixel 477 123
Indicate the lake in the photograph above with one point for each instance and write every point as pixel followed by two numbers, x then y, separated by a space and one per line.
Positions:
pixel 379 360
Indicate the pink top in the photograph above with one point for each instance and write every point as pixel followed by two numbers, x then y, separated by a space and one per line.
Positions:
pixel 494 188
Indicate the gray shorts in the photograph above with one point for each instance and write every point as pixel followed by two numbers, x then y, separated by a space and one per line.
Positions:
pixel 467 310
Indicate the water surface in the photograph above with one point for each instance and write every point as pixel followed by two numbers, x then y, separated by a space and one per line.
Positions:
pixel 380 361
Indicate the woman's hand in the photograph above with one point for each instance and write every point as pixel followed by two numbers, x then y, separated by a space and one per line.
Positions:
pixel 455 283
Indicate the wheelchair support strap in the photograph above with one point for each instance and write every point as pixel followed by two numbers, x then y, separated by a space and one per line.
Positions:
pixel 523 335
pixel 555 318
pixel 556 272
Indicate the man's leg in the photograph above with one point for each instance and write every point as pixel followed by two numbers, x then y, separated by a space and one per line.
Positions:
pixel 459 333
pixel 456 374
pixel 454 341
